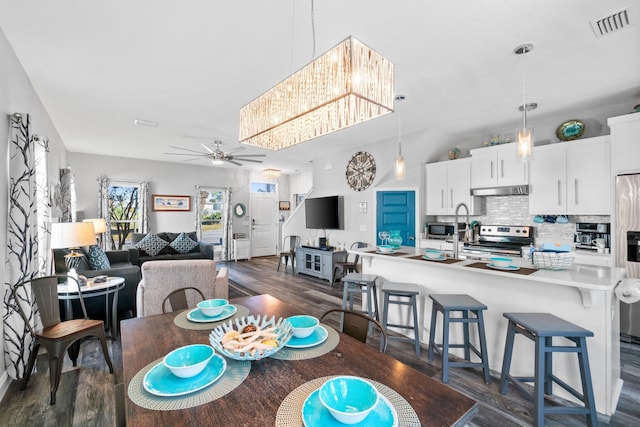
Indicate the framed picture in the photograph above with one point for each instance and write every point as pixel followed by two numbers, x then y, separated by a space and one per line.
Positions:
pixel 163 202
pixel 284 206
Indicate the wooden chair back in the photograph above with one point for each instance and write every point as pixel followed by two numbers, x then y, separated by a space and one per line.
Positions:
pixel 356 325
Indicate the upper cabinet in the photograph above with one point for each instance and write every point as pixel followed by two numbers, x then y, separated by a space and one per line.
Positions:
pixel 571 178
pixel 625 143
pixel 448 184
pixel 497 166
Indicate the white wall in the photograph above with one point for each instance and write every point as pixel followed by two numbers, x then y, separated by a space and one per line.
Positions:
pixel 163 178
pixel 17 95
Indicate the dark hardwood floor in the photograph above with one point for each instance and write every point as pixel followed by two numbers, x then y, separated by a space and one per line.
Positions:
pixel 86 393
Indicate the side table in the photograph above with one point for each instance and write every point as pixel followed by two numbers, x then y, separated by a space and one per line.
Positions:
pixel 91 290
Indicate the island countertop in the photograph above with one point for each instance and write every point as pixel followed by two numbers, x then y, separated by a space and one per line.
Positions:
pixel 582 294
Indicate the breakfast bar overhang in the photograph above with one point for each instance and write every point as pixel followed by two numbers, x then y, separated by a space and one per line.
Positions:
pixel 582 294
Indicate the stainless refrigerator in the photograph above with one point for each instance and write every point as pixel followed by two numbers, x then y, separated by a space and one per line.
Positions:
pixel 628 247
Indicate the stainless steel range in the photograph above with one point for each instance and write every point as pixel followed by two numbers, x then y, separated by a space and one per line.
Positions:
pixel 500 240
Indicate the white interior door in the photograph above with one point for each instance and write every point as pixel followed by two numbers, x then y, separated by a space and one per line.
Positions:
pixel 264 224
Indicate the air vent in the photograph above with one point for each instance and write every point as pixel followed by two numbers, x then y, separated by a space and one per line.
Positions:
pixel 612 23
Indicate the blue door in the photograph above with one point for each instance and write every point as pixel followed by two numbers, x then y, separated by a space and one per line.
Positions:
pixel 396 210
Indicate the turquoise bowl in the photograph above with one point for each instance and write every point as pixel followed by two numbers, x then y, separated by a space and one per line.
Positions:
pixel 432 253
pixel 303 325
pixel 188 361
pixel 212 307
pixel 348 399
pixel 501 261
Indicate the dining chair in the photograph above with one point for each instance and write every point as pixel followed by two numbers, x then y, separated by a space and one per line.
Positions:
pixel 178 300
pixel 289 251
pixel 56 336
pixel 342 268
pixel 356 325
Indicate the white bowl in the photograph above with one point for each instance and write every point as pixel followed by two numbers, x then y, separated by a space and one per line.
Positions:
pixel 303 325
pixel 432 253
pixel 386 249
pixel 501 261
pixel 348 399
pixel 188 361
pixel 212 307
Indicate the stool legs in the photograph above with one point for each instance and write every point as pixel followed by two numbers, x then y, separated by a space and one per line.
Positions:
pixel 589 398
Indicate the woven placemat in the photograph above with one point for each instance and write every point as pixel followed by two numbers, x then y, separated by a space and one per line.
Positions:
pixel 181 320
pixel 290 410
pixel 233 376
pixel 286 353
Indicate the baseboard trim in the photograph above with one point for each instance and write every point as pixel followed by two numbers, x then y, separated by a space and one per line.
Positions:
pixel 5 381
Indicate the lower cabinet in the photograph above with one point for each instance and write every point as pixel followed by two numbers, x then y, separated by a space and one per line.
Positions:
pixel 241 249
pixel 317 262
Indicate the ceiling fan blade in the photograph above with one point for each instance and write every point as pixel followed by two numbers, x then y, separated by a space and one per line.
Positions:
pixel 250 155
pixel 192 159
pixel 208 138
pixel 233 161
pixel 207 148
pixel 236 150
pixel 184 154
pixel 186 149
pixel 248 160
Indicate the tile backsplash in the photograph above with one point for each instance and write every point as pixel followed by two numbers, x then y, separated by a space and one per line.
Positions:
pixel 514 210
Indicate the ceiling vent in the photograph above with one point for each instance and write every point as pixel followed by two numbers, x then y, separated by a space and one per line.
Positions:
pixel 612 23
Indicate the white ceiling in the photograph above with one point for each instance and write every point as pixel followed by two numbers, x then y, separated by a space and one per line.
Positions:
pixel 190 66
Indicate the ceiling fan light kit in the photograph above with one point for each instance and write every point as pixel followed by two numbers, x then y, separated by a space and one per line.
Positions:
pixel 347 85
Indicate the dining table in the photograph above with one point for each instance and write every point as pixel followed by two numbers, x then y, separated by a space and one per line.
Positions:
pixel 258 399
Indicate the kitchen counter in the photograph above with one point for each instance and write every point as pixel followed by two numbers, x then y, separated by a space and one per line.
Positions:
pixel 582 294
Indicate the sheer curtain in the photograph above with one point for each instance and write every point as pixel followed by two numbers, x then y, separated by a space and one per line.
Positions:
pixel 26 232
pixel 227 228
pixel 103 209
pixel 68 194
pixel 197 198
pixel 144 207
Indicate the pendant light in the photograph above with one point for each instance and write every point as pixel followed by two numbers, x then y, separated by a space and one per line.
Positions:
pixel 525 134
pixel 400 167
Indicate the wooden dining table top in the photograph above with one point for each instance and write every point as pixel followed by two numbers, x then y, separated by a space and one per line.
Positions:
pixel 255 402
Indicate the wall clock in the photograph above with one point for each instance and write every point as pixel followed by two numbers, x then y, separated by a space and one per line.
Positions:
pixel 361 170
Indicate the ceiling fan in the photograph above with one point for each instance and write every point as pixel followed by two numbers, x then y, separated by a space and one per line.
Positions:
pixel 217 156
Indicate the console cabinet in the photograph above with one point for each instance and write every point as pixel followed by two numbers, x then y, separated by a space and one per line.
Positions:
pixel 317 262
pixel 571 178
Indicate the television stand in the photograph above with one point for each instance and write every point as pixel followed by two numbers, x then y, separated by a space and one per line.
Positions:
pixel 318 261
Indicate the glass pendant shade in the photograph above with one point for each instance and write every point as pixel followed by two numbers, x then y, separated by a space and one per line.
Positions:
pixel 525 142
pixel 399 170
pixel 347 85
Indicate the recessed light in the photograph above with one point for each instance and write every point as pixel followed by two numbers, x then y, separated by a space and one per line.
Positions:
pixel 148 123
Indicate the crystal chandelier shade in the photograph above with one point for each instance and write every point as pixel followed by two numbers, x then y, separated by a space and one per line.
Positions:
pixel 345 86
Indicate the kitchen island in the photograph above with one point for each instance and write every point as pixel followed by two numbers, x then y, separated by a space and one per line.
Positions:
pixel 582 294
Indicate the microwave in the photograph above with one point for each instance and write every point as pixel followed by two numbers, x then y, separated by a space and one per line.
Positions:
pixel 443 230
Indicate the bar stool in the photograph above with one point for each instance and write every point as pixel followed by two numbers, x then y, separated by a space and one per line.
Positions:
pixel 465 304
pixel 542 328
pixel 358 283
pixel 402 292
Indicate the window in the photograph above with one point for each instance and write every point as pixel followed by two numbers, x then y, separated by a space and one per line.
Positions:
pixel 124 211
pixel 263 187
pixel 211 215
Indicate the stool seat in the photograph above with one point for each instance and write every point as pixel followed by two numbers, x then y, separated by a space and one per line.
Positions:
pixel 402 292
pixel 466 305
pixel 364 284
pixel 542 328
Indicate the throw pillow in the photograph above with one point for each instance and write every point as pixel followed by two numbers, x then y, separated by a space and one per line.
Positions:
pixel 183 244
pixel 97 258
pixel 151 244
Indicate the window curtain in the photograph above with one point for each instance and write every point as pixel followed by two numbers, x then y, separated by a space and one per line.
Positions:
pixel 227 227
pixel 144 207
pixel 103 209
pixel 68 194
pixel 199 205
pixel 23 238
pixel 44 208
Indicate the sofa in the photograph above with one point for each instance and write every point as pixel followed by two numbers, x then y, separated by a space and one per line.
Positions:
pixel 160 278
pixel 168 246
pixel 120 265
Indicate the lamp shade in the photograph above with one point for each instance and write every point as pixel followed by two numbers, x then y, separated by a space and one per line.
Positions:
pixel 72 235
pixel 99 224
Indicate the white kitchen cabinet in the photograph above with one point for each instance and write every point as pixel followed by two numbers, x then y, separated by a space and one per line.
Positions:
pixel 625 149
pixel 448 183
pixel 497 166
pixel 571 178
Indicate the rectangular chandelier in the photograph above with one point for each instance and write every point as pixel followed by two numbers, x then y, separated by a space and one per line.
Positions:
pixel 347 85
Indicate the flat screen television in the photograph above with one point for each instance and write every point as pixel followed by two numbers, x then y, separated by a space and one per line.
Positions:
pixel 324 212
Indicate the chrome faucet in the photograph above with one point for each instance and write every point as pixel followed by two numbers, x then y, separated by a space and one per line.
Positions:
pixel 456 235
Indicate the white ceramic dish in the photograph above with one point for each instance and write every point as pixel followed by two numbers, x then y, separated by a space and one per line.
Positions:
pixel 507 268
pixel 441 258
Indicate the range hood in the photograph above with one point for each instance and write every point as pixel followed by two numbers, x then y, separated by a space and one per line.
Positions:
pixel 516 190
